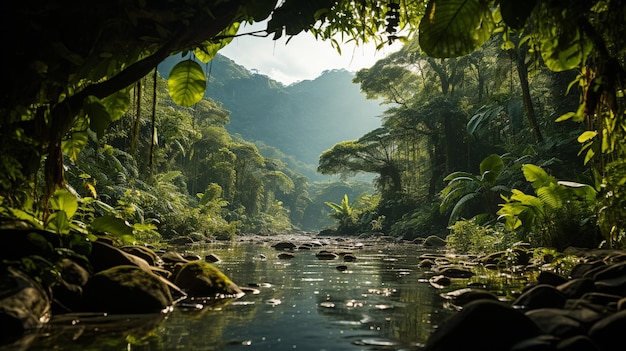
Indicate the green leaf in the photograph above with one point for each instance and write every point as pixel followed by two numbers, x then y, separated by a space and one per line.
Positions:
pixel 584 192
pixel 452 28
pixel 207 52
pixel 99 117
pixel 491 167
pixel 117 104
pixel 586 136
pixel 566 51
pixel 515 12
pixel 59 222
pixel 112 225
pixel 73 145
pixel 186 83
pixel 63 200
pixel 537 176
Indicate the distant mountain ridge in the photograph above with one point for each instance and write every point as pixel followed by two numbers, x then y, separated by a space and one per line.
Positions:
pixel 302 119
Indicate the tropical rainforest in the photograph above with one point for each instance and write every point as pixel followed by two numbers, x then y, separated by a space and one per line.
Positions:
pixel 502 118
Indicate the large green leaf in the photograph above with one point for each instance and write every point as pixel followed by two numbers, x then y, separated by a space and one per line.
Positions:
pixel 452 28
pixel 114 226
pixel 186 83
pixel 515 12
pixel 117 104
pixel 209 49
pixel 567 50
pixel 99 117
pixel 74 144
pixel 537 176
pixel 491 167
pixel 64 201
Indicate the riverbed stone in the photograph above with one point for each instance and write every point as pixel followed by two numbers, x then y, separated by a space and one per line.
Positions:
pixel 439 281
pixel 577 287
pixel 213 258
pixel 609 332
pixel 104 256
pixel 142 251
pixel 126 290
pixel 24 304
pixel 551 278
pixel 540 296
pixel 556 322
pixel 482 325
pixel 326 255
pixel 453 271
pixel 285 245
pixel 202 279
pixel 173 257
pixel 461 297
pixel 286 256
pixel 68 291
pixel 577 343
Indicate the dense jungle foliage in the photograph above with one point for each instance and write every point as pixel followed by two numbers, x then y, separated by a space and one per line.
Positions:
pixel 507 116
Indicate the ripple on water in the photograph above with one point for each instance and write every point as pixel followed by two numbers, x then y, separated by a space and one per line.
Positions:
pixel 375 342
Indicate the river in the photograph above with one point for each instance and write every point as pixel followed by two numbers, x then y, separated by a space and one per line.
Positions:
pixel 380 301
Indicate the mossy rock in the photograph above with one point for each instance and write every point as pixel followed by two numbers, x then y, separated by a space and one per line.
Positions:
pixel 202 279
pixel 126 290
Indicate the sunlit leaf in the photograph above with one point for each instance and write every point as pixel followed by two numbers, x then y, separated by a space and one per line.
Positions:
pixel 566 51
pixel 117 104
pixel 112 225
pixel 59 222
pixel 63 200
pixel 73 145
pixel 586 136
pixel 537 176
pixel 453 28
pixel 186 83
pixel 208 51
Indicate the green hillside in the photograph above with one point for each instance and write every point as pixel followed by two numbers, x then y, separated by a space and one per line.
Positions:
pixel 302 119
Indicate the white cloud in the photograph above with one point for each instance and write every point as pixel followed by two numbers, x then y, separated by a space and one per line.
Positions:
pixel 299 59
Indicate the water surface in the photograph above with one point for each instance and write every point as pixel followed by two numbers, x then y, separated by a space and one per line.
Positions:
pixel 380 301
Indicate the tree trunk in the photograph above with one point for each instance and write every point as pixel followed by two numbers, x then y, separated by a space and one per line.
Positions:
pixel 519 57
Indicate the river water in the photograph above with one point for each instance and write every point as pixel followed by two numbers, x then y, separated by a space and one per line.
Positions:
pixel 380 301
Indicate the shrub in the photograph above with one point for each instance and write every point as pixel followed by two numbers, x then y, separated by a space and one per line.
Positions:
pixel 468 237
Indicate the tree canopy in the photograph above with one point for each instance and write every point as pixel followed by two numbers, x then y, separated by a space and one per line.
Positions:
pixel 70 68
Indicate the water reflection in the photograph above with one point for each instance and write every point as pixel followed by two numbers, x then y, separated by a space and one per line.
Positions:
pixel 378 301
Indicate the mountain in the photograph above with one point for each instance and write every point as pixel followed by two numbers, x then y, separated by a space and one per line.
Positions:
pixel 302 119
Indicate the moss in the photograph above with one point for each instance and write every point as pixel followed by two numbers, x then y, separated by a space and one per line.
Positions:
pixel 200 278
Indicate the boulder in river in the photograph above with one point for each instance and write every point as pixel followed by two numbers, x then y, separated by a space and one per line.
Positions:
pixel 126 289
pixel 202 279
pixel 483 325
pixel 24 305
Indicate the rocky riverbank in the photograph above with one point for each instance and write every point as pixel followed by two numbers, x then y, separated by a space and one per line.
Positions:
pixel 583 309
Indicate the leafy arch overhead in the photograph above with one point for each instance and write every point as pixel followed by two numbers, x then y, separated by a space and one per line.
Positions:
pixel 68 71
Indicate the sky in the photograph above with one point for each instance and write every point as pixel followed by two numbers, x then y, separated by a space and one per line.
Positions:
pixel 302 58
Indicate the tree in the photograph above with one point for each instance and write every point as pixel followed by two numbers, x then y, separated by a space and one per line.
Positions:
pixel 79 61
pixel 372 153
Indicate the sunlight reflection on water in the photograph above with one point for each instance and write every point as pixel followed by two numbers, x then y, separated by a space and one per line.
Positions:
pixel 382 301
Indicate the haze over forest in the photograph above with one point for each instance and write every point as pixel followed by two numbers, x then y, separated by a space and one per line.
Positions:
pixel 302 119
